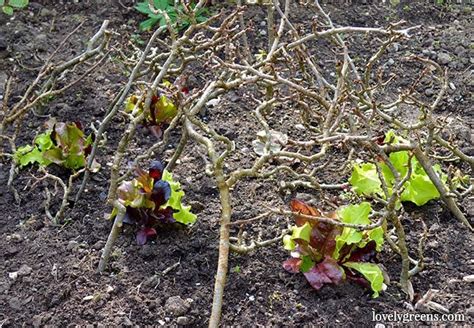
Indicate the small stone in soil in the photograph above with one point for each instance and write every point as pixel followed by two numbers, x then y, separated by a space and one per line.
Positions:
pixel 98 245
pixel 469 278
pixel 395 47
pixel 16 238
pixel 434 227
pixel 470 311
pixel 177 306
pixel 147 251
pixel 300 127
pixel 197 206
pixel 127 322
pixel 444 58
pixel 182 321
pixel 429 92
pixel 459 50
pixel 46 12
pixel 15 303
pixel 37 320
pixel 72 245
pixel 11 250
pixel 24 270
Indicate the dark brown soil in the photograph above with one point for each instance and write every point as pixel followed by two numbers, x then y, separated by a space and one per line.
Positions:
pixel 57 284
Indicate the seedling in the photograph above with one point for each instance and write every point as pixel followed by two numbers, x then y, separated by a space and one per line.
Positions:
pixel 153 199
pixel 8 6
pixel 261 55
pixel 332 254
pixel 63 144
pixel 177 14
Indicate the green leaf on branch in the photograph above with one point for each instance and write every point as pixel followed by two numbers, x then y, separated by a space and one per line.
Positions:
pixel 356 214
pixel 147 24
pixel 28 155
pixel 459 180
pixel 43 141
pixel 162 108
pixel 165 110
pixel 399 161
pixel 371 272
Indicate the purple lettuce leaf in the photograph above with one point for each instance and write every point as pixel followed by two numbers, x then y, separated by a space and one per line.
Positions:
pixel 164 215
pixel 364 254
pixel 161 193
pixel 292 265
pixel 144 234
pixel 325 272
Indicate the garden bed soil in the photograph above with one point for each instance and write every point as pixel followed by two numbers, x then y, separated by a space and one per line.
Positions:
pixel 170 281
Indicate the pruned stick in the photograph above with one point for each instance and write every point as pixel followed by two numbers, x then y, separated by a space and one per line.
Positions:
pixel 113 235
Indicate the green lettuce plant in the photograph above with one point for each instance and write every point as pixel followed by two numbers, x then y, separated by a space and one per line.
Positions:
pixel 419 189
pixel 64 144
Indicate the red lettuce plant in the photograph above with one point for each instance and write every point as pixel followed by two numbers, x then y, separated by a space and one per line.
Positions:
pixel 163 105
pixel 153 199
pixel 331 254
pixel 162 111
